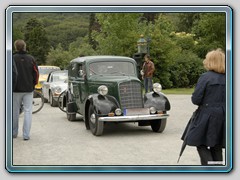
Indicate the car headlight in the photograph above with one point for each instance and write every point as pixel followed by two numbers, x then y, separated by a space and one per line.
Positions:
pixel 57 90
pixel 118 111
pixel 103 90
pixel 152 110
pixel 157 88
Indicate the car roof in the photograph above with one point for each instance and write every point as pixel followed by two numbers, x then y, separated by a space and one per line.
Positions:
pixel 101 58
pixel 60 71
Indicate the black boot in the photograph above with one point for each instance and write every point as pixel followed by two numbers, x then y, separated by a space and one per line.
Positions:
pixel 205 155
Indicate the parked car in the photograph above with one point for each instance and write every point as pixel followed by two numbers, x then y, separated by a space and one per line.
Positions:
pixel 43 75
pixel 106 89
pixel 56 83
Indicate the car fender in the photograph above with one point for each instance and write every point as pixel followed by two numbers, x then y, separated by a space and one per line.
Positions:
pixel 103 104
pixel 70 103
pixel 157 100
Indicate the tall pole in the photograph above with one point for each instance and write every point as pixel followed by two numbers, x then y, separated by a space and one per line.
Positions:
pixel 148 38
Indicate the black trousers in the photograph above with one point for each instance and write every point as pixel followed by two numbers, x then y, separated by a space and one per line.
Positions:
pixel 210 154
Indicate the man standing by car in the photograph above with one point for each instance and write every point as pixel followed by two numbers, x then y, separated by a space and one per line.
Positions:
pixel 23 91
pixel 147 73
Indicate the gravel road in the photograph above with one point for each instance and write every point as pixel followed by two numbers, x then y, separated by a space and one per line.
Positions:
pixel 56 141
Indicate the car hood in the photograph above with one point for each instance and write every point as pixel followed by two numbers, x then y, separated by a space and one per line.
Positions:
pixel 60 84
pixel 112 79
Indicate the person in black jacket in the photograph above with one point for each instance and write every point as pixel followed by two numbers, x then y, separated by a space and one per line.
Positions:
pixel 207 131
pixel 23 92
pixel 14 75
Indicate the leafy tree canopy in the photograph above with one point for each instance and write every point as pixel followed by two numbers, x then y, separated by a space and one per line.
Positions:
pixel 36 40
pixel 178 41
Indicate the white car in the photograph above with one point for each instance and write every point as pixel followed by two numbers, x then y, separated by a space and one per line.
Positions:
pixel 56 83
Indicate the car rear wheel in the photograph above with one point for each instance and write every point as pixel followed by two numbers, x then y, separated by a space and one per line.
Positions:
pixel 45 100
pixel 158 125
pixel 96 126
pixel 70 109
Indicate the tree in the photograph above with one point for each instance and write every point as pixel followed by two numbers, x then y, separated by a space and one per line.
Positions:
pixel 93 26
pixel 186 21
pixel 36 40
pixel 176 63
pixel 17 33
pixel 81 47
pixel 186 69
pixel 119 33
pixel 210 32
pixel 174 53
pixel 184 40
pixel 59 57
pixel 163 50
pixel 187 66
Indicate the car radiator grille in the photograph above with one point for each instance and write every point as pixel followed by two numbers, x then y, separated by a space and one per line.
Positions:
pixel 130 95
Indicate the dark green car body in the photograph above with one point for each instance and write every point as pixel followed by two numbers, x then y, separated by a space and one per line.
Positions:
pixel 125 94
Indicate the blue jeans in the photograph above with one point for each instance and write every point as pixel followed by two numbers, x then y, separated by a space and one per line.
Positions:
pixel 148 85
pixel 26 99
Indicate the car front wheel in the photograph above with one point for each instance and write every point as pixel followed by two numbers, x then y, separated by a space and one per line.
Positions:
pixel 52 102
pixel 158 125
pixel 96 126
pixel 71 117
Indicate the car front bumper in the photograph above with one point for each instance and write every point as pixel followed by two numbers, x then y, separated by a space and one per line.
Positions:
pixel 133 118
pixel 56 98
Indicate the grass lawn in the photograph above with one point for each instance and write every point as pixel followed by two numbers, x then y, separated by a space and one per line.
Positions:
pixel 178 91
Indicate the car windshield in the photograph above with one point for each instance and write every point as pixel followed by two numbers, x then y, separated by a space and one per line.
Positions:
pixel 47 70
pixel 112 68
pixel 60 77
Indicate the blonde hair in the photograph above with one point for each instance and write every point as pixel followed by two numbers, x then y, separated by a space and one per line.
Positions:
pixel 215 61
pixel 20 45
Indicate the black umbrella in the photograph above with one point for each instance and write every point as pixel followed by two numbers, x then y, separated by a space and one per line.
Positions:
pixel 185 134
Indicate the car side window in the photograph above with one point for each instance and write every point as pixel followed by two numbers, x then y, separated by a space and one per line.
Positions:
pixel 78 70
pixel 81 71
pixel 51 78
pixel 74 70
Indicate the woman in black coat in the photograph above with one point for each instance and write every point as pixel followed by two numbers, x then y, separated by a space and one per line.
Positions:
pixel 207 130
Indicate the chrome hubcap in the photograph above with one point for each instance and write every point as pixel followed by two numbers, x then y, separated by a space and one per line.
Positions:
pixel 93 118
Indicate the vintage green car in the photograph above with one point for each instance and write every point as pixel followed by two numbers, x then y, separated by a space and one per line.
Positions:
pixel 106 89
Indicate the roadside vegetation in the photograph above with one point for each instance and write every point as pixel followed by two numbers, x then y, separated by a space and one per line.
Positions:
pixel 178 41
pixel 179 91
